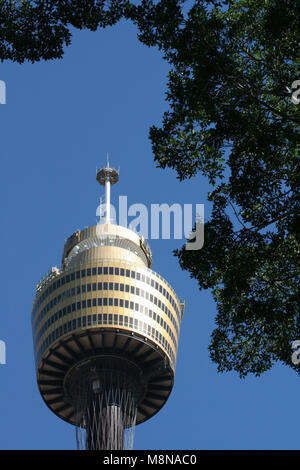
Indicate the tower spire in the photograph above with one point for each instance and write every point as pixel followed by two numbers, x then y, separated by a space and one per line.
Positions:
pixel 107 177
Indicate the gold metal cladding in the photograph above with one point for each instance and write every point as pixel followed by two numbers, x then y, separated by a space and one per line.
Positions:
pixel 105 300
pixel 69 286
pixel 84 292
pixel 93 236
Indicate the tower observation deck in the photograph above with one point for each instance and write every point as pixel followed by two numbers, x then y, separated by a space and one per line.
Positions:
pixel 105 331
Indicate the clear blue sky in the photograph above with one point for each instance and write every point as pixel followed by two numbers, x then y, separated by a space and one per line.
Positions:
pixel 60 119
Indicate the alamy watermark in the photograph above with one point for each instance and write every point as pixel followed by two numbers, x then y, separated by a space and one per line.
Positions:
pixel 2 92
pixel 296 353
pixel 163 221
pixel 2 352
pixel 294 97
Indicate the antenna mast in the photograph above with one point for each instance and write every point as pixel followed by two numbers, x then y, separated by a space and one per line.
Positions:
pixel 107 177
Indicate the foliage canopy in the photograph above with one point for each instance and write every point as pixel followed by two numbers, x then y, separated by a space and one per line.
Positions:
pixel 231 119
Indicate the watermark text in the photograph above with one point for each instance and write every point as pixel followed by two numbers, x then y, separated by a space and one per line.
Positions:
pixel 2 92
pixel 2 352
pixel 164 221
pixel 296 93
pixel 296 353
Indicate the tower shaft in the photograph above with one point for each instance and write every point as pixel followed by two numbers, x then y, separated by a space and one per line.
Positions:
pixel 104 427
